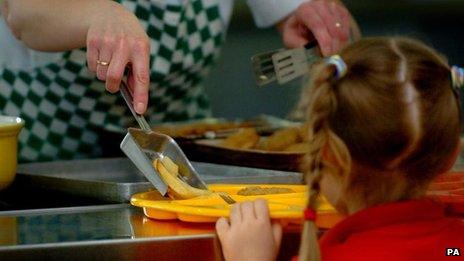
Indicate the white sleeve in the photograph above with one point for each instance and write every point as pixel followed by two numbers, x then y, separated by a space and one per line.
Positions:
pixel 269 12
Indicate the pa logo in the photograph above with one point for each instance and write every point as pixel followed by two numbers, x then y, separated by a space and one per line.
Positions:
pixel 453 251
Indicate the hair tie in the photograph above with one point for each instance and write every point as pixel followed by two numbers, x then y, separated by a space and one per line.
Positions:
pixel 309 214
pixel 457 77
pixel 339 64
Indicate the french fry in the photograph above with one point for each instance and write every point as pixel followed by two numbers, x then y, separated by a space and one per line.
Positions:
pixel 177 188
pixel 246 138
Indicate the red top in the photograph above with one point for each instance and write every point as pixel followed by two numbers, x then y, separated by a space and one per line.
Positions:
pixel 409 230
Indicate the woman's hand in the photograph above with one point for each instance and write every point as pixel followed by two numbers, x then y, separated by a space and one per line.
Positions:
pixel 116 41
pixel 112 34
pixel 249 235
pixel 325 21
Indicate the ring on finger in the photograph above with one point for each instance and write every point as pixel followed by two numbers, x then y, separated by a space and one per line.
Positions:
pixel 102 63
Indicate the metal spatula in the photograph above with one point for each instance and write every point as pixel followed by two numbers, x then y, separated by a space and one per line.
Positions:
pixel 263 67
pixel 284 65
pixel 142 146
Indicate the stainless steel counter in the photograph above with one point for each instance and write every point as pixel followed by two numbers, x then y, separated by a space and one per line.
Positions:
pixel 119 232
pixel 72 221
pixel 90 229
pixel 116 232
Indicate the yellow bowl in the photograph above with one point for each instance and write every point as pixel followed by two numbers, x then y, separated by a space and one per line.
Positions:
pixel 9 131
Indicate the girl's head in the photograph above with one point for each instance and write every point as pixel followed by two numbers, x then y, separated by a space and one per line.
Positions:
pixel 385 129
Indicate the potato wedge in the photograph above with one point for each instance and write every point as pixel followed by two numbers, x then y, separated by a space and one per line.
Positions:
pixel 177 188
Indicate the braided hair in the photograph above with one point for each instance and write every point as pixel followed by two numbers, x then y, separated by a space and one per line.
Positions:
pixel 391 124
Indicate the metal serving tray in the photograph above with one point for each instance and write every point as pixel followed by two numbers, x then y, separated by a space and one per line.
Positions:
pixel 117 179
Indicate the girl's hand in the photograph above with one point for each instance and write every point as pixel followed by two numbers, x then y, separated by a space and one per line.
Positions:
pixel 249 235
pixel 325 21
pixel 116 40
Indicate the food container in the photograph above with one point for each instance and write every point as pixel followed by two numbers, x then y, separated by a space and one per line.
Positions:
pixel 9 131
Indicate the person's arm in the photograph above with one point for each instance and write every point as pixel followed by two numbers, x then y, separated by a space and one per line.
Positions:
pixel 267 13
pixel 110 32
pixel 56 25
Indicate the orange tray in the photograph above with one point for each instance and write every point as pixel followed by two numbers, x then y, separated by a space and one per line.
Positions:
pixel 449 189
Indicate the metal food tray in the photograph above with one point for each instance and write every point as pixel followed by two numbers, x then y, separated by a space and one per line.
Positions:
pixel 117 179
pixel 212 151
pixel 264 123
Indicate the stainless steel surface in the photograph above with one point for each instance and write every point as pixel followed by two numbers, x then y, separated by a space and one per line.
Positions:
pixel 117 179
pixel 126 94
pixel 133 150
pixel 262 66
pixel 143 162
pixel 283 65
pixel 151 145
pixel 114 232
pixel 143 146
pixel 21 196
pixel 63 210
pixel 118 232
pixel 292 63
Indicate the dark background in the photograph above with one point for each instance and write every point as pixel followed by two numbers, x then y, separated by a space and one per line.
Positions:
pixel 231 87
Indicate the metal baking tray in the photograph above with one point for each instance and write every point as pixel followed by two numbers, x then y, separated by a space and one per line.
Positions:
pixel 117 179
pixel 211 151
pixel 211 128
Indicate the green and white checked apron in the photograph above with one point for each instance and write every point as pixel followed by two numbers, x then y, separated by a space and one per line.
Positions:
pixel 63 103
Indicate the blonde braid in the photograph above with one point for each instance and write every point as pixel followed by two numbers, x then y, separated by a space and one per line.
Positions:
pixel 322 103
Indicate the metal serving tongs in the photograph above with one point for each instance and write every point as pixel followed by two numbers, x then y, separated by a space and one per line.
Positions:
pixel 142 146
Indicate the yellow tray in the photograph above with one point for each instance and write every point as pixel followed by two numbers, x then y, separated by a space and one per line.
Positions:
pixel 208 209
